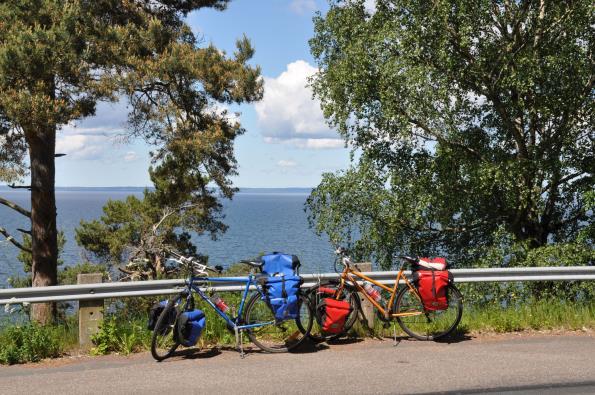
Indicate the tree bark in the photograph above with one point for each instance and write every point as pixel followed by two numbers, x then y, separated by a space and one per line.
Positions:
pixel 44 235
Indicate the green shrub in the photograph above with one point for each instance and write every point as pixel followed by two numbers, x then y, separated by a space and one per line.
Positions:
pixel 31 343
pixel 121 336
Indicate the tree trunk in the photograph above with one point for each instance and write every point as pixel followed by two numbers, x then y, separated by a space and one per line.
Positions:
pixel 44 239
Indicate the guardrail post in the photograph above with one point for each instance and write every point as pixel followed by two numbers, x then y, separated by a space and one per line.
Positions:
pixel 90 311
pixel 367 307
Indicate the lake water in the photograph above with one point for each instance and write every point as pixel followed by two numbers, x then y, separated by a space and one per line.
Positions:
pixel 259 221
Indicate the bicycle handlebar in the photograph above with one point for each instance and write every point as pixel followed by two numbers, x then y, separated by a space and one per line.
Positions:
pixel 194 264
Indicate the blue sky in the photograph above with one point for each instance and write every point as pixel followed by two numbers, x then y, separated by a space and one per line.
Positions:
pixel 287 143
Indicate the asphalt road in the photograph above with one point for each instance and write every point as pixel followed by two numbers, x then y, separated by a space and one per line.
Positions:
pixel 534 364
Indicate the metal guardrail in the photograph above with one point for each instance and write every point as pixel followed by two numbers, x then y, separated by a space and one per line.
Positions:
pixel 164 287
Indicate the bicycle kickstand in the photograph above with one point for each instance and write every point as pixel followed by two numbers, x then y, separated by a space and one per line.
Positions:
pixel 395 334
pixel 239 342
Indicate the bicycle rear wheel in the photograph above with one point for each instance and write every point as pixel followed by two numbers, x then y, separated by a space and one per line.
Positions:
pixel 423 324
pixel 277 336
pixel 329 289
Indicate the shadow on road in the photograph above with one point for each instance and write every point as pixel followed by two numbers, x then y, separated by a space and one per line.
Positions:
pixel 194 353
pixel 308 347
pixel 459 335
pixel 345 340
pixel 197 353
pixel 454 338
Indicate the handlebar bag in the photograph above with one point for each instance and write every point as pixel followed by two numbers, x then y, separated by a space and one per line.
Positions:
pixel 432 286
pixel 189 327
pixel 282 296
pixel 156 311
pixel 280 263
pixel 333 314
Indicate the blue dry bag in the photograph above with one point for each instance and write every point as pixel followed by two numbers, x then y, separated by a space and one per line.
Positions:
pixel 282 296
pixel 279 263
pixel 189 327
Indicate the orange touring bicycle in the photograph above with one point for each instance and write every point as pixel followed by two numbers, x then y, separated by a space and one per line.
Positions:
pixel 403 304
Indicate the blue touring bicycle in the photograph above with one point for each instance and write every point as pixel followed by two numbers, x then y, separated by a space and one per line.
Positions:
pixel 255 315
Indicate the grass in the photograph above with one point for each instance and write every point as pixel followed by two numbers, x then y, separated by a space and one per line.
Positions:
pixel 535 315
pixel 125 334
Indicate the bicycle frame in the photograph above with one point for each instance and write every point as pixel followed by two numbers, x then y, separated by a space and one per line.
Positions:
pixel 348 275
pixel 249 281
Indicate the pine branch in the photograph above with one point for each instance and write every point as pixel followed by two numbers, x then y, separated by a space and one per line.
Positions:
pixel 13 240
pixel 15 207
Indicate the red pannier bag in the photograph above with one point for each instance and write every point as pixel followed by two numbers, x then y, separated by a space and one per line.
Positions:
pixel 335 313
pixel 432 283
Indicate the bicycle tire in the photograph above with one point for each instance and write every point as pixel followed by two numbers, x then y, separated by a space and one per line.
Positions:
pixel 316 333
pixel 162 346
pixel 429 325
pixel 279 336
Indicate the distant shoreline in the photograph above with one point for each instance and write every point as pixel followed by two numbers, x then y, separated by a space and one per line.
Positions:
pixel 140 189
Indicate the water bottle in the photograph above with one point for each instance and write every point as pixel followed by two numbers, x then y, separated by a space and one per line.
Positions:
pixel 372 292
pixel 220 303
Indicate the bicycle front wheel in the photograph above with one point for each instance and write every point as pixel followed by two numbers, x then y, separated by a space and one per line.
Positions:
pixel 330 289
pixel 423 324
pixel 276 336
pixel 164 341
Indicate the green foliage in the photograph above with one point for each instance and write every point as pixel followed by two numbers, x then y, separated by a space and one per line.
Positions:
pixel 121 336
pixel 30 343
pixel 471 118
pixel 58 60
pixel 174 97
pixel 507 254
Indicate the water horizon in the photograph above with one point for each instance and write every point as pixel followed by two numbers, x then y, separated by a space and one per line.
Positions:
pixel 260 220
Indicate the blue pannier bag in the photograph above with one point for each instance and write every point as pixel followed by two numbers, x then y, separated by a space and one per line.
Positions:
pixel 279 263
pixel 189 327
pixel 282 296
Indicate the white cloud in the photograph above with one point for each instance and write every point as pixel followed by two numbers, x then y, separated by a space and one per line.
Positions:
pixel 110 119
pixel 130 156
pixel 82 146
pixel 93 137
pixel 303 6
pixel 289 114
pixel 286 163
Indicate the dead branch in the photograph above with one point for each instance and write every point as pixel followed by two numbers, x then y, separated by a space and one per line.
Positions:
pixel 15 207
pixel 13 240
